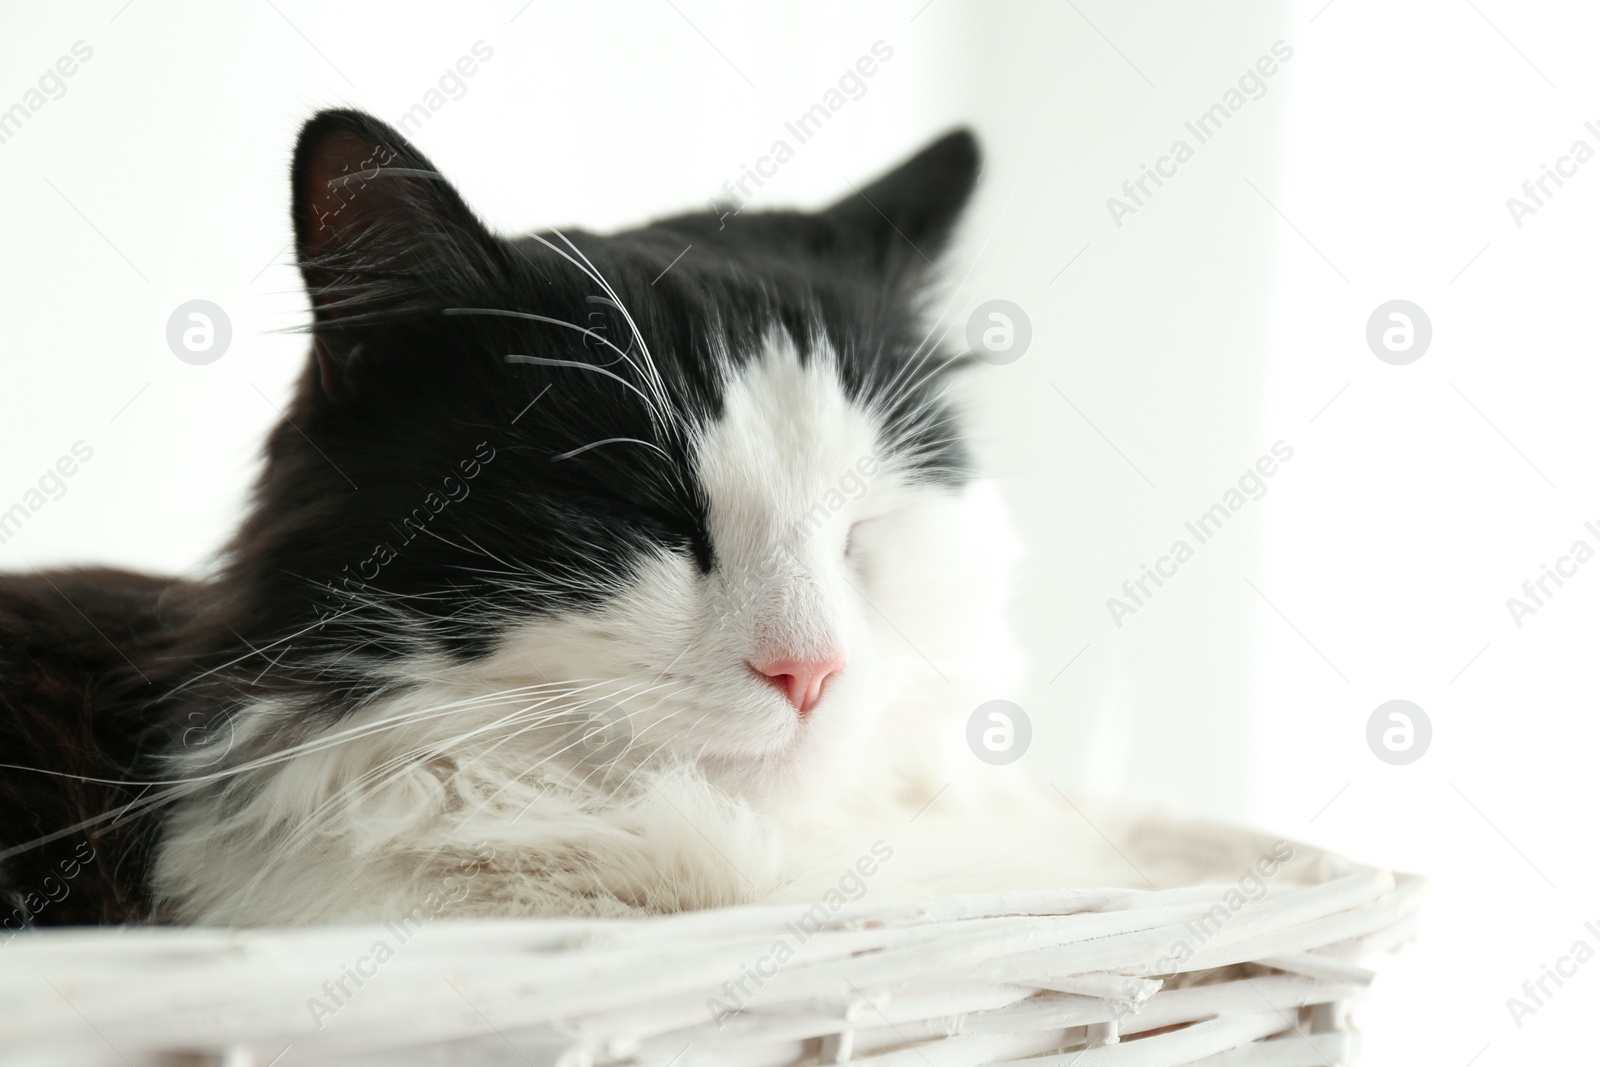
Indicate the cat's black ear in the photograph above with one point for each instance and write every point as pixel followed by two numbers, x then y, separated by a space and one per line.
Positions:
pixel 913 209
pixel 378 229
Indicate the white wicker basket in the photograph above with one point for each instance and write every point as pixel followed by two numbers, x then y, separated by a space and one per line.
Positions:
pixel 1063 977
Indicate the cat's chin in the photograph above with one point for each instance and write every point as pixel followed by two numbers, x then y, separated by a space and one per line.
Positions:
pixel 755 776
pixel 792 769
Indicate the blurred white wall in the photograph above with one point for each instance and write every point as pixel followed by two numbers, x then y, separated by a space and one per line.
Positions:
pixel 1172 348
pixel 1427 493
pixel 1142 399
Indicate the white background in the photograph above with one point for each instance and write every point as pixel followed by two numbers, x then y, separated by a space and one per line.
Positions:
pixel 1227 313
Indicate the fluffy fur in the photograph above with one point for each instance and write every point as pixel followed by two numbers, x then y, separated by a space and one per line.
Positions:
pixel 536 509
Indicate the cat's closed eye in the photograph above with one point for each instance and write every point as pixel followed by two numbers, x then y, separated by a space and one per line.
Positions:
pixel 852 537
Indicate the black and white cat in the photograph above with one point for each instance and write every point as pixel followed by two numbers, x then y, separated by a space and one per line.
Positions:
pixel 628 573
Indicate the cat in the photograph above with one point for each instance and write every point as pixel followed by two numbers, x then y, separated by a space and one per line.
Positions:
pixel 586 575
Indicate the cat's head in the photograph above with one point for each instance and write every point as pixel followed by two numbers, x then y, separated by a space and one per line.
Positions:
pixel 705 475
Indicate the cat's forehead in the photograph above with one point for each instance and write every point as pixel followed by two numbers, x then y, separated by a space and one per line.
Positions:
pixel 787 434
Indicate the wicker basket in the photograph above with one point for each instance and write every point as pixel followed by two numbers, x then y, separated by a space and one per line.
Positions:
pixel 1082 977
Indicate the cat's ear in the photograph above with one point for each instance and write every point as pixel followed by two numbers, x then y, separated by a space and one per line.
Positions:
pixel 378 229
pixel 909 213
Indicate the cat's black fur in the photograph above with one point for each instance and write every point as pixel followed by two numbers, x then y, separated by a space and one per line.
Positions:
pixel 73 702
pixel 423 491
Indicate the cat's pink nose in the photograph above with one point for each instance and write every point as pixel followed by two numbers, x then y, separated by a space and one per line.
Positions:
pixel 801 680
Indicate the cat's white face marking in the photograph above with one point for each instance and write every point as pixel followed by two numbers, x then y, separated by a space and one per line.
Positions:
pixel 825 556
pixel 793 472
pixel 761 667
